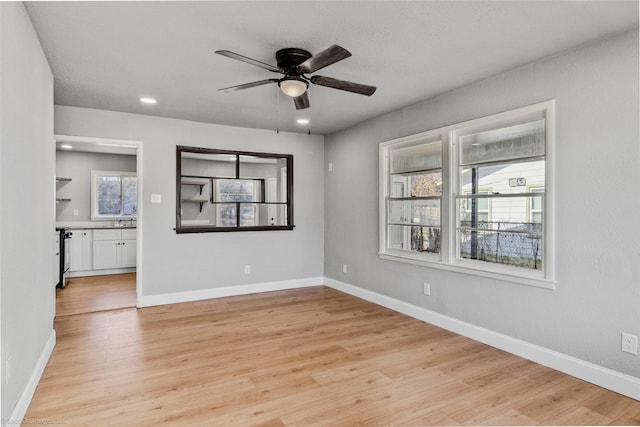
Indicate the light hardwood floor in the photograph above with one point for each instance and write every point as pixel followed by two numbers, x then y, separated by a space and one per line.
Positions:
pixel 311 356
pixel 96 293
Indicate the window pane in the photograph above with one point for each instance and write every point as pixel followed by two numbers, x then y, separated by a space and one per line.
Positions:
pixel 271 171
pixel 417 158
pixel 414 239
pixel 417 185
pixel 517 249
pixel 227 215
pixel 272 214
pixel 536 217
pixel 507 213
pixel 109 195
pixel 426 184
pixel 508 178
pixel 129 195
pixel 513 142
pixel 248 214
pixel 233 190
pixel 416 212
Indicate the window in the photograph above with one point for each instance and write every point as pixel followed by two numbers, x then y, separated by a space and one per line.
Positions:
pixel 473 197
pixel 415 193
pixel 233 191
pixel 221 190
pixel 113 195
pixel 535 205
pixel 478 207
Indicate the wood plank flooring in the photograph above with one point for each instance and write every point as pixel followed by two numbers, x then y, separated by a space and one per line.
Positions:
pixel 304 357
pixel 96 293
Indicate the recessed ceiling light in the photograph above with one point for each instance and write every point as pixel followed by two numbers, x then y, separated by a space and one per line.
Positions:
pixel 66 146
pixel 302 121
pixel 148 100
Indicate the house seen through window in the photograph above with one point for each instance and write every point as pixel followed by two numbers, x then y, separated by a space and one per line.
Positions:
pixel 472 196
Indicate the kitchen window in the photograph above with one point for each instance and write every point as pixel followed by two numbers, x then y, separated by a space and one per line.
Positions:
pixel 474 197
pixel 113 195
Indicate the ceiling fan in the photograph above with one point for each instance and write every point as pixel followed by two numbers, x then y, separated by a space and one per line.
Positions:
pixel 294 63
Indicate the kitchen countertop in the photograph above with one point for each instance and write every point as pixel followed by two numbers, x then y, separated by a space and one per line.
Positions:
pixel 99 227
pixel 94 227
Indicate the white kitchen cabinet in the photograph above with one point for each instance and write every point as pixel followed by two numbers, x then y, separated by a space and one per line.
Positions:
pixel 81 248
pixel 128 252
pixel 106 254
pixel 114 248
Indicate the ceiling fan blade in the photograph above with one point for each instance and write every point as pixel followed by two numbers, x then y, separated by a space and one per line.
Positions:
pixel 301 102
pixel 248 85
pixel 343 85
pixel 248 60
pixel 327 57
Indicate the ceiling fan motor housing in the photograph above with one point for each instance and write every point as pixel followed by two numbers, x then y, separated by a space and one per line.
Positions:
pixel 288 59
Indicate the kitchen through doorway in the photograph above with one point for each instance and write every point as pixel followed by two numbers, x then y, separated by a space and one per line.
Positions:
pixel 98 204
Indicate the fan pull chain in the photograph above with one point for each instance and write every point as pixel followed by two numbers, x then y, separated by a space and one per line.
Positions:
pixel 278 111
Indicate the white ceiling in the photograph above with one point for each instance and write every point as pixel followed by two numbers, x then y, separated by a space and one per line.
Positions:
pixel 107 55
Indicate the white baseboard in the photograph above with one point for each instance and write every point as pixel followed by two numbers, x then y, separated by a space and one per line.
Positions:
pixel 86 273
pixel 22 405
pixel 587 371
pixel 176 297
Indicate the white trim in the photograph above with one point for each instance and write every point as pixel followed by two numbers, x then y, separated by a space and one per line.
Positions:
pixel 89 140
pixel 448 211
pixel 616 381
pixel 87 273
pixel 469 270
pixel 177 297
pixel 24 401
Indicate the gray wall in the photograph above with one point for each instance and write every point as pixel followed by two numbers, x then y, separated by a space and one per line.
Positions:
pixel 27 216
pixel 78 166
pixel 597 204
pixel 186 262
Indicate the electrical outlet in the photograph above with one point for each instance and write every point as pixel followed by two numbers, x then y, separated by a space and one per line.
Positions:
pixel 247 269
pixel 330 167
pixel 344 268
pixel 426 288
pixel 629 343
pixel 75 212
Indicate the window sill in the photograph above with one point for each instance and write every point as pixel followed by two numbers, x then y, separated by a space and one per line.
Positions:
pixel 528 281
pixel 214 229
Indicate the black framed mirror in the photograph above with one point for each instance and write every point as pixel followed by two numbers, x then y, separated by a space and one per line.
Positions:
pixel 225 190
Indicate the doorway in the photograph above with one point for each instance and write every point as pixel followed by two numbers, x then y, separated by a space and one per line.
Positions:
pixel 112 280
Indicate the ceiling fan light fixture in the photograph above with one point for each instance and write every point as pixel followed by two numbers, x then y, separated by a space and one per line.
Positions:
pixel 293 86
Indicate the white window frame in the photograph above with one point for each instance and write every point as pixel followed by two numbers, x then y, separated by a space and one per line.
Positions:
pixel 448 259
pixel 94 194
pixel 385 150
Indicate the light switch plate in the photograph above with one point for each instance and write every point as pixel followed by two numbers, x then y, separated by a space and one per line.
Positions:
pixel 156 198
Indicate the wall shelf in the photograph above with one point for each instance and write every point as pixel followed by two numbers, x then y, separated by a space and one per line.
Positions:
pixel 61 179
pixel 201 202
pixel 199 184
pixel 62 200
